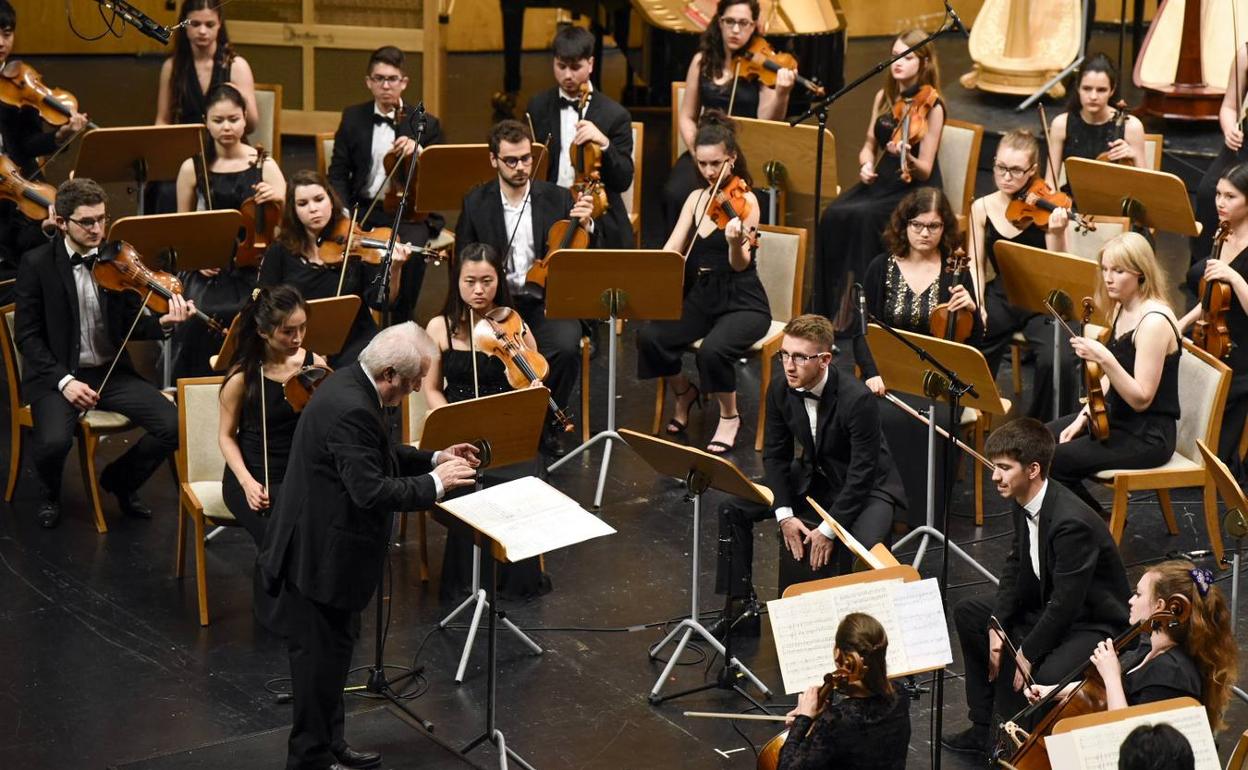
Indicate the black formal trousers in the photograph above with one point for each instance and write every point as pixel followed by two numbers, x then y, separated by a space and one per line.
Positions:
pixel 559 342
pixel 320 643
pixel 1004 320
pixel 55 421
pixel 268 610
pixel 989 701
pixel 1145 443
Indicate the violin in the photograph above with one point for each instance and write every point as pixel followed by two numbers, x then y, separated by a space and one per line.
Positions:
pixel 760 62
pixel 1211 333
pixel 587 164
pixel 959 324
pixel 910 114
pixel 33 199
pixel 390 203
pixel 366 245
pixel 1036 202
pixel 564 234
pixel 728 202
pixel 21 86
pixel 300 386
pixel 1098 412
pixel 840 679
pixel 260 221
pixel 119 268
pixel 500 333
pixel 1120 128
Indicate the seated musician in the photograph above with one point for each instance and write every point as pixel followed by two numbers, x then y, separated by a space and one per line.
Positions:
pixel 1087 128
pixel 368 132
pixel 605 123
pixel 845 466
pixel 1141 365
pixel 257 423
pixel 69 332
pixel 1197 659
pixel 712 84
pixel 202 60
pixel 312 214
pixel 725 304
pixel 1156 747
pixel 477 290
pixel 514 213
pixel 1230 153
pixel 904 286
pixel 850 227
pixel 1015 167
pixel 1229 265
pixel 869 729
pixel 233 177
pixel 1062 590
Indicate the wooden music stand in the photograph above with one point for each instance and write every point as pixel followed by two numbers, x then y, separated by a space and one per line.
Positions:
pixel 792 147
pixel 329 324
pixel 1114 726
pixel 197 240
pixel 902 370
pixel 138 154
pixel 1235 523
pixel 700 471
pixel 449 171
pixel 875 558
pixel 597 283
pixel 1156 199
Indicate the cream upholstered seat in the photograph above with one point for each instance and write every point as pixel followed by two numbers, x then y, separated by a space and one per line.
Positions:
pixel 324 151
pixel 268 129
pixel 678 141
pixel 632 196
pixel 958 156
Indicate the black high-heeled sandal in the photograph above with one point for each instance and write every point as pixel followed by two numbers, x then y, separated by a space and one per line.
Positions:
pixel 676 427
pixel 719 447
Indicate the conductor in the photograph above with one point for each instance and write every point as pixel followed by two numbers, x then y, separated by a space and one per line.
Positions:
pixel 328 536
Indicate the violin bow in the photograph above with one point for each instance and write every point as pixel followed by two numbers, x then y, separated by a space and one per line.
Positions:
pixel 472 349
pixel 524 205
pixel 120 349
pixel 346 252
pixel 710 199
pixel 736 73
pixel 264 429
pixel 1048 143
pixel 995 625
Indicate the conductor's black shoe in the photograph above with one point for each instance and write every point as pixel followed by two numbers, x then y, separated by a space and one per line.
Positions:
pixel 349 757
pixel 49 514
pixel 972 740
pixel 743 619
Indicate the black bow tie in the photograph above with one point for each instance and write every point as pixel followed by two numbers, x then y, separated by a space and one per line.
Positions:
pixel 88 260
pixel 382 120
pixel 569 104
pixel 804 394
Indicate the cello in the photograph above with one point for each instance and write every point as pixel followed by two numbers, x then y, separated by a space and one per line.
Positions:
pixel 1210 333
pixel 842 679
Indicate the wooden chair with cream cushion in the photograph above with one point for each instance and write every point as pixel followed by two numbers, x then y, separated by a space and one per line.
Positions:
pixel 324 151
pixel 632 196
pixel 268 129
pixel 959 160
pixel 1239 757
pixel 678 141
pixel 1153 146
pixel 412 423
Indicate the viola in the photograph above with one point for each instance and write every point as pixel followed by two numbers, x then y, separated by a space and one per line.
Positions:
pixel 840 679
pixel 760 62
pixel 32 198
pixel 300 386
pixel 120 268
pixel 729 203
pixel 394 191
pixel 21 86
pixel 367 245
pixel 959 324
pixel 1120 129
pixel 1036 202
pixel 500 333
pixel 910 114
pixel 1211 333
pixel 260 221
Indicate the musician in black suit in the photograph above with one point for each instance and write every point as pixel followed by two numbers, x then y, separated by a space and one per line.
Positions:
pixel 326 543
pixel 605 123
pixel 513 213
pixel 366 133
pixel 845 466
pixel 68 331
pixel 1063 588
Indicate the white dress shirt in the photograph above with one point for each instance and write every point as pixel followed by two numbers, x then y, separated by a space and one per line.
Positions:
pixel 519 220
pixel 439 490
pixel 94 347
pixel 383 140
pixel 567 130
pixel 1032 508
pixel 812 412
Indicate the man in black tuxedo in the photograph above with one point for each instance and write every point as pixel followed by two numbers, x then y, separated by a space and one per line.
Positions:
pixel 513 213
pixel 326 544
pixel 1063 588
pixel 366 133
pixel 606 124
pixel 68 330
pixel 845 466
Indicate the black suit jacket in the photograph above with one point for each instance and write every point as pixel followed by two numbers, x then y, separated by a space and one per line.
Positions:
pixel 344 481
pixel 481 216
pixel 46 325
pixel 352 163
pixel 848 450
pixel 617 162
pixel 1082 585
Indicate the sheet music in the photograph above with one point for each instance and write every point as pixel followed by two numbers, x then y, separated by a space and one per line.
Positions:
pixel 1096 747
pixel 876 599
pixel 527 517
pixel 921 615
pixel 804 627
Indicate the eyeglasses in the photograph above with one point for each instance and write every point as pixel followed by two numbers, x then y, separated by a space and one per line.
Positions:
pixel 512 162
pixel 89 223
pixel 737 24
pixel 932 227
pixel 800 359
pixel 385 80
pixel 1010 171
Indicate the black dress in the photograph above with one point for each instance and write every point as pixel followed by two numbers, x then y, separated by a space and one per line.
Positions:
pixel 1084 139
pixel 189 105
pixel 1172 674
pixel 281 423
pixel 220 296
pixel 855 734
pixel 851 226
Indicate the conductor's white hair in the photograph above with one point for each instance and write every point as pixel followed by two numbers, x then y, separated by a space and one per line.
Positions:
pixel 404 347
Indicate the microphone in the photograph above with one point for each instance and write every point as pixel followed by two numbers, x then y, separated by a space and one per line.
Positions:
pixel 862 307
pixel 137 19
pixel 957 22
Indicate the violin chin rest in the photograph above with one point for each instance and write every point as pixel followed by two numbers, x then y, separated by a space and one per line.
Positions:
pixel 108 251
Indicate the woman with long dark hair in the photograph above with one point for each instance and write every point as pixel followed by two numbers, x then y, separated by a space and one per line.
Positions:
pixel 202 60
pixel 1086 129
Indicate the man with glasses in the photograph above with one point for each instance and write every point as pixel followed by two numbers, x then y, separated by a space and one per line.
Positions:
pixel 513 213
pixel 70 332
pixel 366 133
pixel 844 466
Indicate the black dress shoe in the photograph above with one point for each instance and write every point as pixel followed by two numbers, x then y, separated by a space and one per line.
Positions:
pixel 49 514
pixel 742 617
pixel 973 740
pixel 349 757
pixel 132 505
pixel 550 444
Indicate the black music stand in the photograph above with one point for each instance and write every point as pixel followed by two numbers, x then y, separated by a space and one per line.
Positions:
pixel 138 154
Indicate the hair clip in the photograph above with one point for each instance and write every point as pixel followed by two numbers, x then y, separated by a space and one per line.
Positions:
pixel 255 294
pixel 1203 579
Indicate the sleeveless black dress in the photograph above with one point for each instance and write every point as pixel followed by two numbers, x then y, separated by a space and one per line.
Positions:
pixel 1084 139
pixel 1237 400
pixel 189 104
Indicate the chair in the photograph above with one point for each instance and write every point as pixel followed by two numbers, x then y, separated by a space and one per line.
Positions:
pixel 678 141
pixel 959 159
pixel 200 467
pixel 781 262
pixel 324 151
pixel 91 429
pixel 1153 147
pixel 268 130
pixel 1239 757
pixel 412 423
pixel 1203 384
pixel 632 196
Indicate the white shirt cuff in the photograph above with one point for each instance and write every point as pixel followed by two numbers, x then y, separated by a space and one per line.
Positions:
pixel 64 381
pixel 826 531
pixel 784 512
pixel 437 486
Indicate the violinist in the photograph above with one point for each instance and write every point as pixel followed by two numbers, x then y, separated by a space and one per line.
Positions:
pixel 202 60
pixel 1197 659
pixel 233 177
pixel 1229 265
pixel 1141 365
pixel 725 304
pixel 904 286
pixel 606 124
pixel 313 211
pixel 1231 153
pixel 366 134
pixel 869 728
pixel 713 84
pixel 1062 590
pixel 70 331
pixel 477 289
pixel 255 439
pixel 850 227
pixel 1089 128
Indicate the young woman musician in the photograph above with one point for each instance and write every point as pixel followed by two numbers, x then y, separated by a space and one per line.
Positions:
pixel 477 289
pixel 869 729
pixel 312 213
pixel 903 286
pixel 712 84
pixel 1141 365
pixel 202 59
pixel 232 178
pixel 725 305
pixel 1087 128
pixel 850 227
pixel 257 424
pixel 1229 265
pixel 1015 168
pixel 1198 659
pixel 1231 121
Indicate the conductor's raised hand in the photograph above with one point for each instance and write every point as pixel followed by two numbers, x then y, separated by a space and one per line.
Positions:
pixel 794 533
pixel 455 473
pixel 465 451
